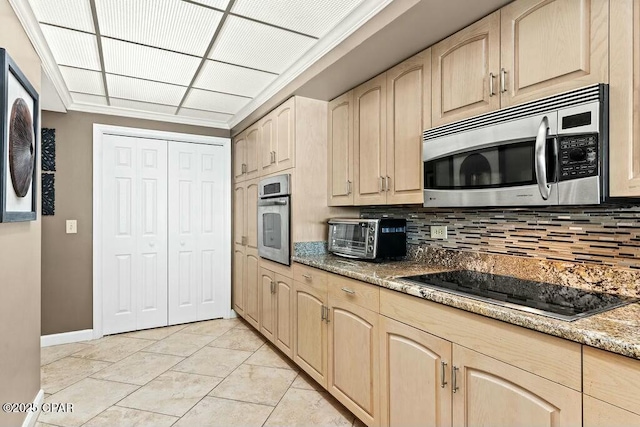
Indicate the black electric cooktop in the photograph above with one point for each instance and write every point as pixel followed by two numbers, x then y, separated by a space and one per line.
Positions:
pixel 557 301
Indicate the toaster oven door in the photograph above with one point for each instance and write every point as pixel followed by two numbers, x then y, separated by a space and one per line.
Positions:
pixel 349 239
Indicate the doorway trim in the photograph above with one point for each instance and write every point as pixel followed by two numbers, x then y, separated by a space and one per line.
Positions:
pixel 99 130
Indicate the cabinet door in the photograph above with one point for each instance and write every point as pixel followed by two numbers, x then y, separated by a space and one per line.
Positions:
pixel 251 232
pixel 369 143
pixel 408 115
pixel 549 47
pixel 252 288
pixel 284 117
pixel 267 142
pixel 239 214
pixel 239 157
pixel 340 150
pixel 310 331
pixel 283 314
pixel 354 359
pixel 267 304
pixel 415 378
pixel 253 152
pixel 601 414
pixel 624 99
pixel 463 65
pixel 493 393
pixel 239 271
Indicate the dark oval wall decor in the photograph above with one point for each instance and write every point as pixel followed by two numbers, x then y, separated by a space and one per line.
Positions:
pixel 21 147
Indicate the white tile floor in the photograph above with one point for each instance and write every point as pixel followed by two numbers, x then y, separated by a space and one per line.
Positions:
pixel 214 373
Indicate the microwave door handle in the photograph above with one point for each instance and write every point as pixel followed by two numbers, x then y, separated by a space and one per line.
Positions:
pixel 541 158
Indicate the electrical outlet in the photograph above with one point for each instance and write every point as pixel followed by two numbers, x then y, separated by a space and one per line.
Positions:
pixel 72 226
pixel 438 231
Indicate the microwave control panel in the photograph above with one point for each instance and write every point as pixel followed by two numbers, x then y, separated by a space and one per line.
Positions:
pixel 579 156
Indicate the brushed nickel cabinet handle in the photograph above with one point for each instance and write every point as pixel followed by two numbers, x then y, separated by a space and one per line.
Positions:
pixel 326 317
pixel 491 77
pixel 386 183
pixel 348 187
pixel 443 374
pixel 381 184
pixel 454 379
pixel 322 313
pixel 503 80
pixel 307 276
pixel 349 291
pixel 273 157
pixel 273 287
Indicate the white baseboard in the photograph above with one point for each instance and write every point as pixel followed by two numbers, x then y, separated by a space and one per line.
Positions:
pixel 66 338
pixel 233 314
pixel 32 417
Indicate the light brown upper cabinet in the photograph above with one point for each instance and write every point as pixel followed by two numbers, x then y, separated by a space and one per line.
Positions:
pixel 549 47
pixel 370 141
pixel 527 50
pixel 284 148
pixel 240 157
pixel 267 142
pixel 340 146
pixel 465 72
pixel 408 115
pixel 624 99
pixel 253 152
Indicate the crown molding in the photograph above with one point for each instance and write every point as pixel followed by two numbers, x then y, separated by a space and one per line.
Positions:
pixel 32 27
pixel 352 22
pixel 146 115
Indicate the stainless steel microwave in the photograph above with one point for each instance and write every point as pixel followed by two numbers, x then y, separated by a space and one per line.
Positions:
pixel 551 151
pixel 368 239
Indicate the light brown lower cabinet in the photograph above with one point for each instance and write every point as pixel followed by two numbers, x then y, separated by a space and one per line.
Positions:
pixel 252 288
pixel 487 392
pixel 310 330
pixel 602 414
pixel 415 377
pixel 354 358
pixel 276 294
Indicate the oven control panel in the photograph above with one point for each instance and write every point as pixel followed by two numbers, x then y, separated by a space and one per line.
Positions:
pixel 579 157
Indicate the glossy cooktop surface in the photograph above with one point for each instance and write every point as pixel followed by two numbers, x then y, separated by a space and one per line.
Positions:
pixel 556 301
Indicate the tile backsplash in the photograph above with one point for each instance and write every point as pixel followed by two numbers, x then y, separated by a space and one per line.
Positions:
pixel 607 235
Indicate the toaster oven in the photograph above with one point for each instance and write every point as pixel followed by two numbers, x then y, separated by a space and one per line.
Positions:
pixel 368 239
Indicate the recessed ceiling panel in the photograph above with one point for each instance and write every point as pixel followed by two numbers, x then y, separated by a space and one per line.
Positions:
pixel 312 17
pixel 72 48
pixel 85 81
pixel 143 106
pixel 144 90
pixel 233 79
pixel 259 46
pixel 206 115
pixel 218 4
pixel 84 98
pixel 170 24
pixel 74 14
pixel 133 60
pixel 213 101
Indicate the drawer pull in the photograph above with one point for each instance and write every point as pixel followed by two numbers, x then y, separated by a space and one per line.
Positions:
pixel 443 374
pixel 349 291
pixel 454 378
pixel 307 276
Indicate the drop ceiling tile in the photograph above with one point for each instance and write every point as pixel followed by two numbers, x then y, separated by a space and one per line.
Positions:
pixel 259 46
pixel 143 106
pixel 134 60
pixel 85 81
pixel 72 48
pixel 84 98
pixel 170 24
pixel 218 4
pixel 206 115
pixel 213 101
pixel 312 17
pixel 144 90
pixel 233 79
pixel 74 14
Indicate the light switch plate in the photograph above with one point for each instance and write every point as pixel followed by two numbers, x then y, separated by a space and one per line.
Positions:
pixel 72 226
pixel 438 232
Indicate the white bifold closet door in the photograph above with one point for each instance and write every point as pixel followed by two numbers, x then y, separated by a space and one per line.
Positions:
pixel 134 266
pixel 196 226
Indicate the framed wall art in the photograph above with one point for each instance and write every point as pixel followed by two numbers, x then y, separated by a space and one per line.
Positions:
pixel 19 112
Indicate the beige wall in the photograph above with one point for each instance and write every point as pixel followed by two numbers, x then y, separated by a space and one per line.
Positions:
pixel 19 264
pixel 67 284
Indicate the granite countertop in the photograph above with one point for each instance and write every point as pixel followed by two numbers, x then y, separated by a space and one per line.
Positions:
pixel 616 330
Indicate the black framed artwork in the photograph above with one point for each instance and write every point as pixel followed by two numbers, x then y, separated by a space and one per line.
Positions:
pixel 19 111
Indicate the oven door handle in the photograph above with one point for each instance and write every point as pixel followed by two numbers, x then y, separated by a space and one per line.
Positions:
pixel 272 203
pixel 541 158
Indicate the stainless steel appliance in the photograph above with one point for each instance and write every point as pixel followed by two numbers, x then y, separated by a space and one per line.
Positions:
pixel 548 152
pixel 369 239
pixel 556 301
pixel 274 213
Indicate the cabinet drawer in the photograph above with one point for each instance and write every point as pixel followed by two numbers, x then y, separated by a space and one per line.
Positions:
pixel 355 292
pixel 612 378
pixel 601 414
pixel 310 276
